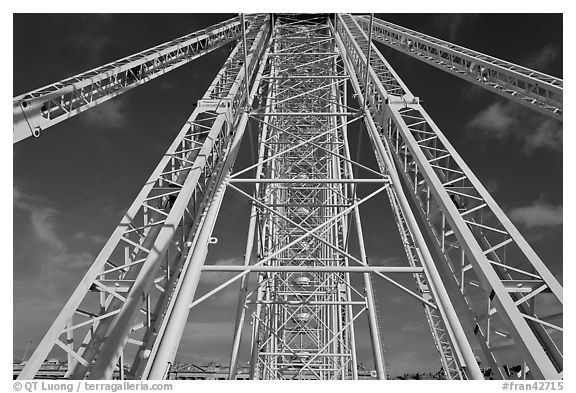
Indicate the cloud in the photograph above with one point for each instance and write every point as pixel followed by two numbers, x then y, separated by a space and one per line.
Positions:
pixel 46 267
pixel 110 114
pixel 539 214
pixel 547 135
pixel 542 58
pixel 16 194
pixel 491 185
pixel 70 261
pixel 166 85
pixel 509 121
pixel 43 224
pixel 496 118
pixel 41 218
pixel 452 24
pixel 90 37
pixel 91 238
pixel 46 252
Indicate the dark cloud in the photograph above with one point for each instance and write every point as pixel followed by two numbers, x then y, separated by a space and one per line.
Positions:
pixel 507 121
pixel 112 114
pixel 451 25
pixel 166 86
pixel 491 185
pixel 542 58
pixel 91 36
pixel 40 217
pixel 51 253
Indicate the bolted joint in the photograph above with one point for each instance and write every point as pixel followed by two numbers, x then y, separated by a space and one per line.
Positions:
pixel 222 105
pixel 405 100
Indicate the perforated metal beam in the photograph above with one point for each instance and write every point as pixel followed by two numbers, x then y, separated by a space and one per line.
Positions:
pixel 39 109
pixel 531 88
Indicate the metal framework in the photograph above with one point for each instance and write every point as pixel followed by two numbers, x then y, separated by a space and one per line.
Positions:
pixel 303 321
pixel 531 88
pixel 49 105
pixel 288 79
pixel 474 237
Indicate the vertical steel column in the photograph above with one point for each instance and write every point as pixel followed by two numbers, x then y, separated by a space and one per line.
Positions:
pixel 450 355
pixel 175 327
pixel 240 309
pixel 343 103
pixel 303 339
pixel 369 291
pixel 370 302
pixel 170 340
pixel 70 343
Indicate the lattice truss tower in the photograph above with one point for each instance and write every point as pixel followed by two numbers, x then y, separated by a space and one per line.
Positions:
pixel 287 81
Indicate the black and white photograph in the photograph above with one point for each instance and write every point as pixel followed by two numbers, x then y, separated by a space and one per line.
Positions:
pixel 287 196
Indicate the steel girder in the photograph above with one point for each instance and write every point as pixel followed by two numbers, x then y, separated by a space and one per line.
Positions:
pixel 304 320
pixel 42 108
pixel 531 88
pixel 449 357
pixel 500 276
pixel 127 294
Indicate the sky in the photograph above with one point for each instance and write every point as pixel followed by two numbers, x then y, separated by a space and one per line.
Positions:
pixel 72 185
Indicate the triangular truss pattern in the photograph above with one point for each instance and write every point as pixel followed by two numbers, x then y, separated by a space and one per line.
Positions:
pixel 288 79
